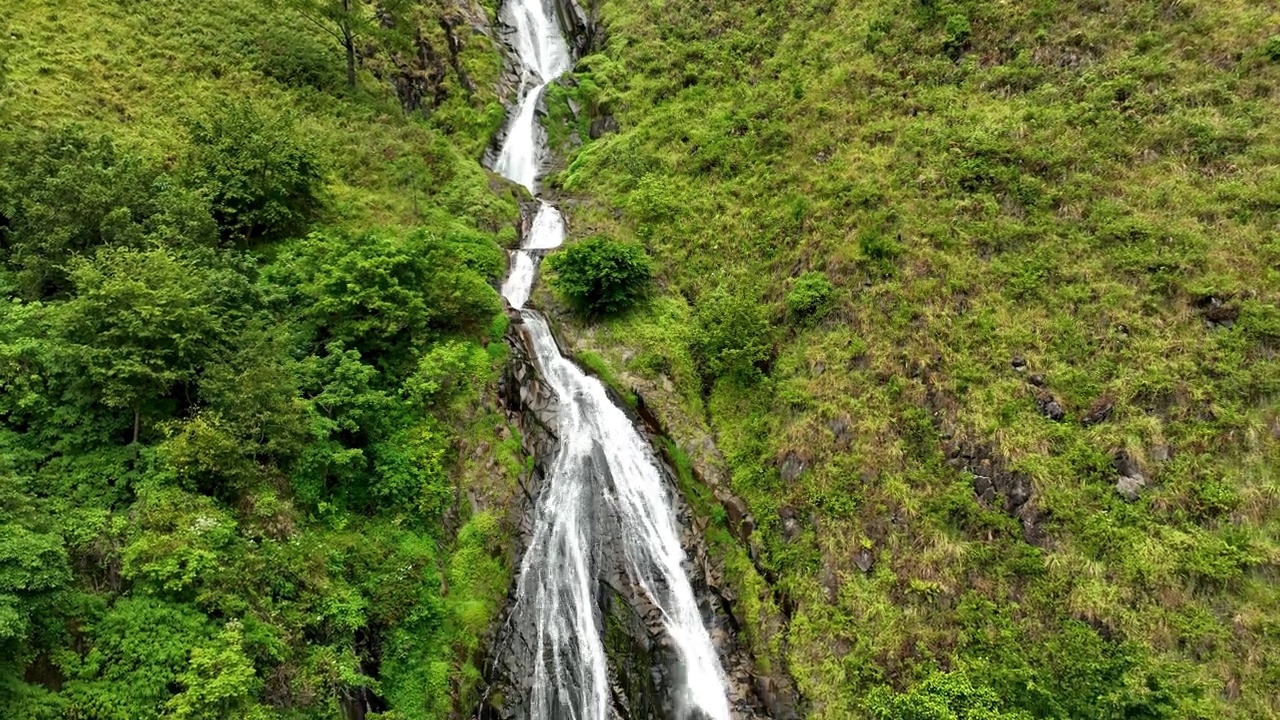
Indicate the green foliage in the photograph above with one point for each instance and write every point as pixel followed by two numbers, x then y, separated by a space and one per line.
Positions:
pixel 261 176
pixel 295 59
pixel 732 336
pixel 940 696
pixel 32 566
pixel 144 321
pixel 139 649
pixel 219 680
pixel 1272 48
pixel 810 297
pixel 600 275
pixel 224 472
pixel 68 192
pixel 383 294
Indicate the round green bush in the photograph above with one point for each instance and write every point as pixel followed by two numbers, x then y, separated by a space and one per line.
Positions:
pixel 600 275
pixel 810 296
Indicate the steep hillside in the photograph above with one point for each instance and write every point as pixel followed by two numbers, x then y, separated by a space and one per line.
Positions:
pixel 980 303
pixel 250 460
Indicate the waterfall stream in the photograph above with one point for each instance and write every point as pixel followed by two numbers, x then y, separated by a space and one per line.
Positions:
pixel 604 493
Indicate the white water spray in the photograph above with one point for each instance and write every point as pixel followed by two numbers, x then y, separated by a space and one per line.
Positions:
pixel 602 461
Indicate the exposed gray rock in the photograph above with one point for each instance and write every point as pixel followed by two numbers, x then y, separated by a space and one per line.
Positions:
pixel 791 467
pixel 840 429
pixel 864 560
pixel 741 523
pixel 1130 487
pixel 1125 464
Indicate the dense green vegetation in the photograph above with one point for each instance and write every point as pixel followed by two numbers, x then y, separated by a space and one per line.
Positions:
pixel 248 344
pixel 891 240
pixel 247 355
pixel 602 276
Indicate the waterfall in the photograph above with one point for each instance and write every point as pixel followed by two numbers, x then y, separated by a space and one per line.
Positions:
pixel 604 493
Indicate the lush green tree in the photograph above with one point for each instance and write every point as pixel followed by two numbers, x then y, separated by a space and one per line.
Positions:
pixel 382 294
pixel 600 275
pixel 219 682
pixel 137 652
pixel 349 22
pixel 67 192
pixel 262 177
pixel 143 322
pixel 33 564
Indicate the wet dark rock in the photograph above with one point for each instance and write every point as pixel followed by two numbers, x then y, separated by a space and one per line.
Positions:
pixel 601 126
pixel 1036 379
pixel 1219 313
pixel 580 29
pixel 1019 363
pixel 1099 411
pixel 741 523
pixel 1049 406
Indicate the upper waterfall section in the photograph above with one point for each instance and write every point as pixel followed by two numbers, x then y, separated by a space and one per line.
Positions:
pixel 543 56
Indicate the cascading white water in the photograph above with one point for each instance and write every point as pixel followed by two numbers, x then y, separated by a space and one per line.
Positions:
pixel 601 461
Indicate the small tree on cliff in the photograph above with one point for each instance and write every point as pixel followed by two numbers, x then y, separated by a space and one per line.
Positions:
pixel 347 21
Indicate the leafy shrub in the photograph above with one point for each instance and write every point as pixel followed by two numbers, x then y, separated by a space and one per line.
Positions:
pixel 941 696
pixel 143 322
pixel 261 176
pixel 67 192
pixel 295 59
pixel 382 294
pixel 602 276
pixel 956 34
pixel 731 338
pixel 1272 49
pixel 879 252
pixel 810 296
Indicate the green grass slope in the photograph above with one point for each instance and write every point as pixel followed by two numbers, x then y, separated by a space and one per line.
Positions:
pixel 861 214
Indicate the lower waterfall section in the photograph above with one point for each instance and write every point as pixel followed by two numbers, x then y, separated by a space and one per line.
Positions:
pixel 646 671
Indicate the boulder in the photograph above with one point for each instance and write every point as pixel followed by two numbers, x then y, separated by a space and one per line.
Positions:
pixel 1049 405
pixel 1129 487
pixel 791 467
